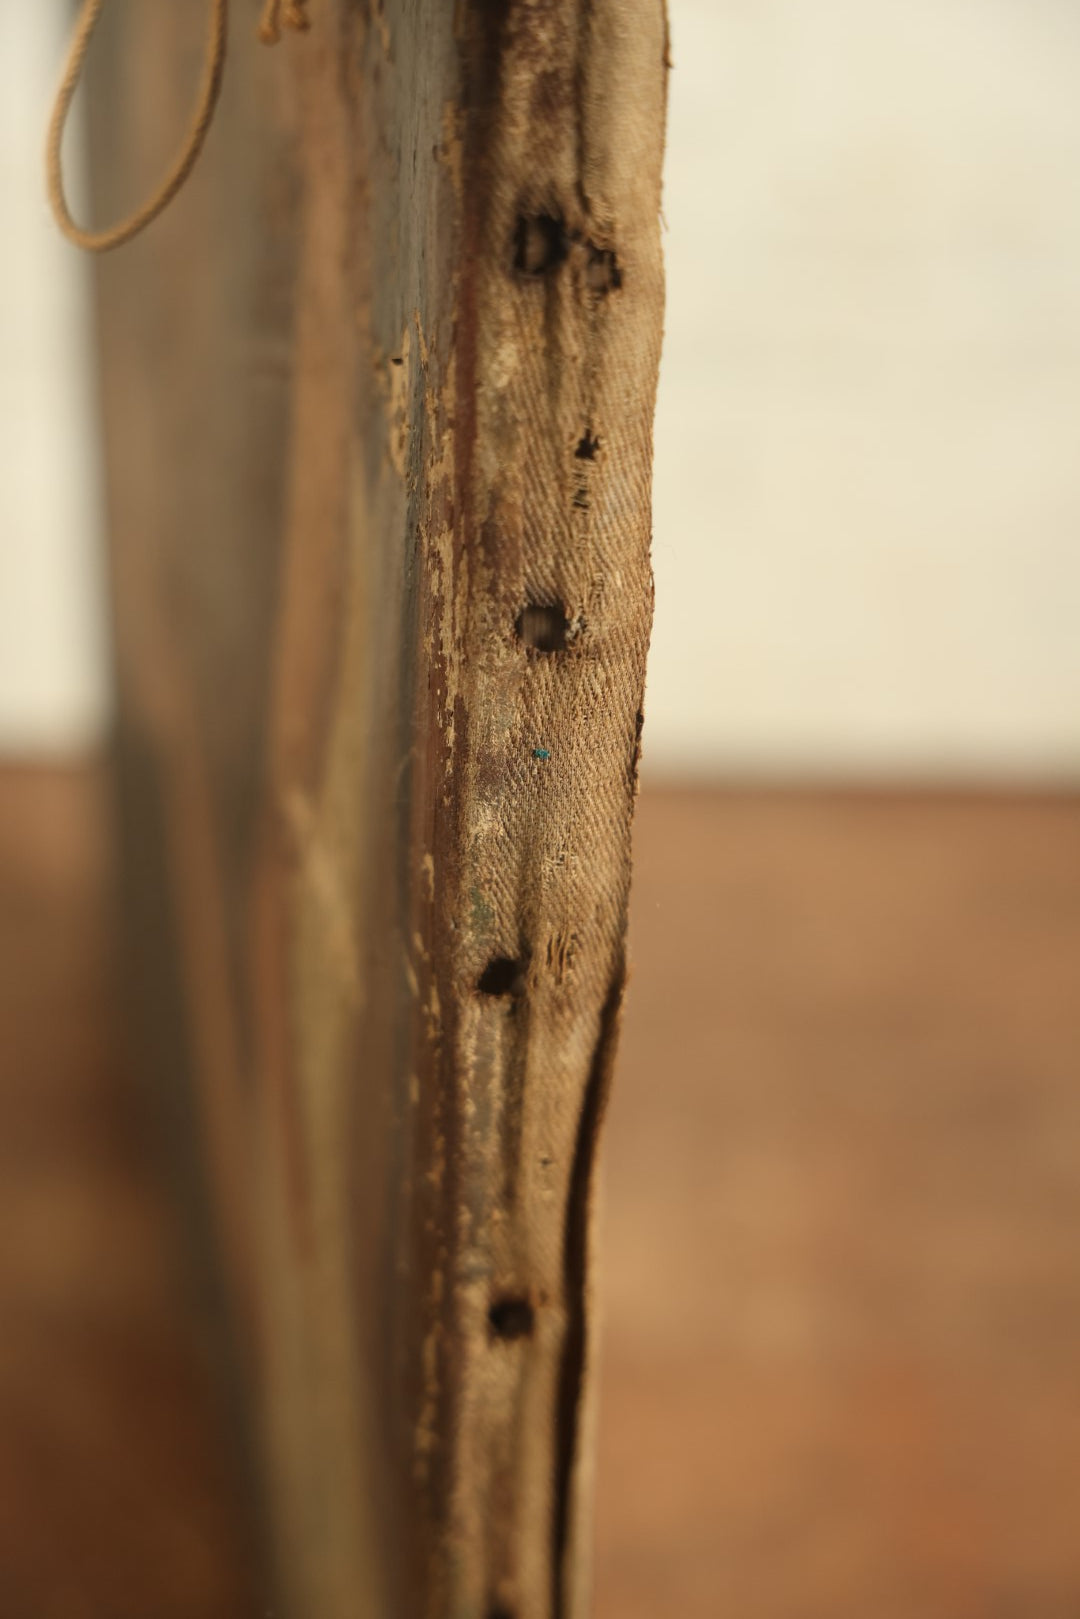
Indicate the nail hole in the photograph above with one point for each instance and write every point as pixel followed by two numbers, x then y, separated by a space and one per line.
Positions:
pixel 501 976
pixel 602 273
pixel 587 447
pixel 540 244
pixel 511 1318
pixel 544 628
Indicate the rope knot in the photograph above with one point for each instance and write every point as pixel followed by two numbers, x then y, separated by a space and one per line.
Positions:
pixel 293 13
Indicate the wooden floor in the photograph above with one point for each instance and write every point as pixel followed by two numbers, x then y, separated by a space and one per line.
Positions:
pixel 117 1499
pixel 842 1240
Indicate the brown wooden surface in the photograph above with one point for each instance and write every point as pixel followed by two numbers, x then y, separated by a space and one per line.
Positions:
pixel 842 1238
pixel 119 1495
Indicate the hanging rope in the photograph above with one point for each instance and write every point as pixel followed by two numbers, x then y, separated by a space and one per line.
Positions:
pixel 291 13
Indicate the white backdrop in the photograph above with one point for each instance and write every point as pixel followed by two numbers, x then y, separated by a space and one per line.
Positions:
pixel 868 480
pixel 52 663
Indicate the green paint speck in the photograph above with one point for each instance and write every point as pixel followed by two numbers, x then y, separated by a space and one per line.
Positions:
pixel 483 914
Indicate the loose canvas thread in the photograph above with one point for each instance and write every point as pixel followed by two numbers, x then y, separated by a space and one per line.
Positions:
pixel 290 13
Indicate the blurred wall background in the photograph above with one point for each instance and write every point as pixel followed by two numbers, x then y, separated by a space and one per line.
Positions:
pixel 867 489
pixel 53 682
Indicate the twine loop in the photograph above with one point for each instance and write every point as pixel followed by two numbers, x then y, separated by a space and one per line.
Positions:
pixel 276 14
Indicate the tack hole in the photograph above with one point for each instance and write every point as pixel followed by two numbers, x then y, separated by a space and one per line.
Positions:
pixel 587 447
pixel 540 244
pixel 602 273
pixel 543 628
pixel 511 1318
pixel 502 976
